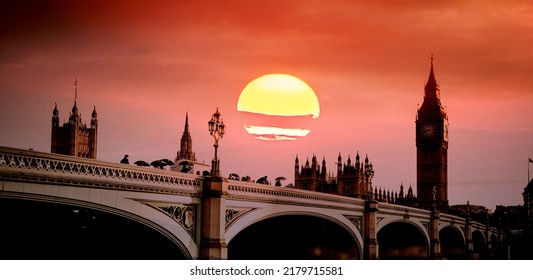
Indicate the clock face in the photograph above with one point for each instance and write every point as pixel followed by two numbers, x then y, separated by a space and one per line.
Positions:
pixel 427 130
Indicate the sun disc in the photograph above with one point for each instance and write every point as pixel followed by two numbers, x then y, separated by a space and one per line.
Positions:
pixel 277 106
pixel 279 95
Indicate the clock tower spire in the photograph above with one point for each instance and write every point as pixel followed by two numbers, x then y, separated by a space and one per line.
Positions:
pixel 432 147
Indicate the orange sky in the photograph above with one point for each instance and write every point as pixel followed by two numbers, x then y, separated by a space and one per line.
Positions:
pixel 145 65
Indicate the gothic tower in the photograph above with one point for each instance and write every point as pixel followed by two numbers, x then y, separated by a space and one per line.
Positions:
pixel 185 151
pixel 74 138
pixel 432 148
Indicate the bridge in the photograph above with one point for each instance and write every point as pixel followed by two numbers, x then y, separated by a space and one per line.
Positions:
pixel 60 207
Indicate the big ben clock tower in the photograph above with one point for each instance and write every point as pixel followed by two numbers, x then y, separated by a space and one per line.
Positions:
pixel 432 148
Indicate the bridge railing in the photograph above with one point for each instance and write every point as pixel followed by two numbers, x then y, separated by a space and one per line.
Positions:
pixel 246 191
pixel 28 165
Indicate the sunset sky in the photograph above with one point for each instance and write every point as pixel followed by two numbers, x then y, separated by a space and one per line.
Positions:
pixel 145 65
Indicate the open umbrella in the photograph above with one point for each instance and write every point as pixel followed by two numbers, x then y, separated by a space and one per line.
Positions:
pixel 262 180
pixel 141 163
pixel 278 180
pixel 234 176
pixel 157 164
pixel 167 161
pixel 186 166
pixel 185 163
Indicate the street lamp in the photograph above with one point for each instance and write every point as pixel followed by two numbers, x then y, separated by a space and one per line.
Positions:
pixel 217 128
pixel 369 172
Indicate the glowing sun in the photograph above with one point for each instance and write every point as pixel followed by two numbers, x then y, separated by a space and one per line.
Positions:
pixel 273 104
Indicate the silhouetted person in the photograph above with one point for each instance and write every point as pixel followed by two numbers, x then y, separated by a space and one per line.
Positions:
pixel 125 160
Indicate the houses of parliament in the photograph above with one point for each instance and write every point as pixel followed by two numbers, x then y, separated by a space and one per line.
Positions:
pixel 355 179
pixel 352 178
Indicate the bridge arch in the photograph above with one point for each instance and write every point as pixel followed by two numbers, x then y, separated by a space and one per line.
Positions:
pixel 142 219
pixel 300 222
pixel 495 245
pixel 402 239
pixel 452 242
pixel 480 244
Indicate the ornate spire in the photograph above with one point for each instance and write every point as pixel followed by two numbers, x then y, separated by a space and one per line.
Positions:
pixel 186 122
pixel 186 151
pixel 74 108
pixel 432 88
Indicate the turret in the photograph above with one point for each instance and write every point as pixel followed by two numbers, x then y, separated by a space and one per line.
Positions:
pixel 339 165
pixel 296 165
pixel 74 117
pixel 94 120
pixel 55 117
pixel 410 193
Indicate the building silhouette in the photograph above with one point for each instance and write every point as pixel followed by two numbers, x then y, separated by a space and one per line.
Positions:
pixel 528 206
pixel 74 138
pixel 353 180
pixel 432 148
pixel 312 177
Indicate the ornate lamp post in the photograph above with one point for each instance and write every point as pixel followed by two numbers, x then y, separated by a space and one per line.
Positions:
pixel 217 128
pixel 369 172
pixel 369 218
